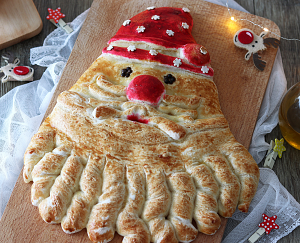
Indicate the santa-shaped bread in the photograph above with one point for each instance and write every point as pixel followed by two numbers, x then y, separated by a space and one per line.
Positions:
pixel 139 145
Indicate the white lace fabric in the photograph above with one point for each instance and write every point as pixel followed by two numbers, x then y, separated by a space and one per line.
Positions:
pixel 271 199
pixel 23 108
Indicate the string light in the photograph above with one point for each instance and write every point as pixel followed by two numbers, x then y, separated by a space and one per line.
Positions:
pixel 264 28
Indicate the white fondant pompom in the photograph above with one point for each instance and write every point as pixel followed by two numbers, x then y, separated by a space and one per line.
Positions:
pixel 151 8
pixel 186 10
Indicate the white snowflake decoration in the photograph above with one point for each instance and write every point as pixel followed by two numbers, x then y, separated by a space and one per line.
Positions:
pixel 126 22
pixel 204 69
pixel 110 47
pixel 140 29
pixel 185 25
pixel 186 10
pixel 177 62
pixel 150 8
pixel 131 48
pixel 155 17
pixel 153 52
pixel 170 33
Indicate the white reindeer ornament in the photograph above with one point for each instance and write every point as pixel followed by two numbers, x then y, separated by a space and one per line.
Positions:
pixel 13 72
pixel 253 43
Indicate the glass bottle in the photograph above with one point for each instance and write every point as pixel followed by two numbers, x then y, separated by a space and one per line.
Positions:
pixel 289 116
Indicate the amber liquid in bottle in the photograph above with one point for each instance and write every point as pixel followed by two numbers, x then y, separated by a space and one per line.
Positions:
pixel 289 120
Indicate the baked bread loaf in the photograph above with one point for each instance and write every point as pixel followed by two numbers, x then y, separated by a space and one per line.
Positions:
pixel 139 145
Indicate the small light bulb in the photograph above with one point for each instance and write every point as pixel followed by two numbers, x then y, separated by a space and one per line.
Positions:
pixel 265 29
pixel 232 18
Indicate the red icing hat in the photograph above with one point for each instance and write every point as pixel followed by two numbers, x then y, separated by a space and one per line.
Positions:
pixel 166 27
pixel 157 22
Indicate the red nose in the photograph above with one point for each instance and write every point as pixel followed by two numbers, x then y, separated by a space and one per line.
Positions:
pixel 245 37
pixel 21 70
pixel 147 89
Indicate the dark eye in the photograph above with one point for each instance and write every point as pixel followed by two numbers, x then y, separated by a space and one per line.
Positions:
pixel 169 79
pixel 126 72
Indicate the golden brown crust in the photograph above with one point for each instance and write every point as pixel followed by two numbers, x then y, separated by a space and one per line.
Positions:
pixel 41 143
pixel 206 203
pixel 105 163
pixel 129 223
pixel 102 221
pixel 91 187
pixel 53 208
pixel 181 210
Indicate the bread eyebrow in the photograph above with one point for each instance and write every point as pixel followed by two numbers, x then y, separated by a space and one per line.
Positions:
pixel 106 85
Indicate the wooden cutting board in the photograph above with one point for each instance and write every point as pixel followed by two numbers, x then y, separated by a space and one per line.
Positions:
pixel 19 21
pixel 241 89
